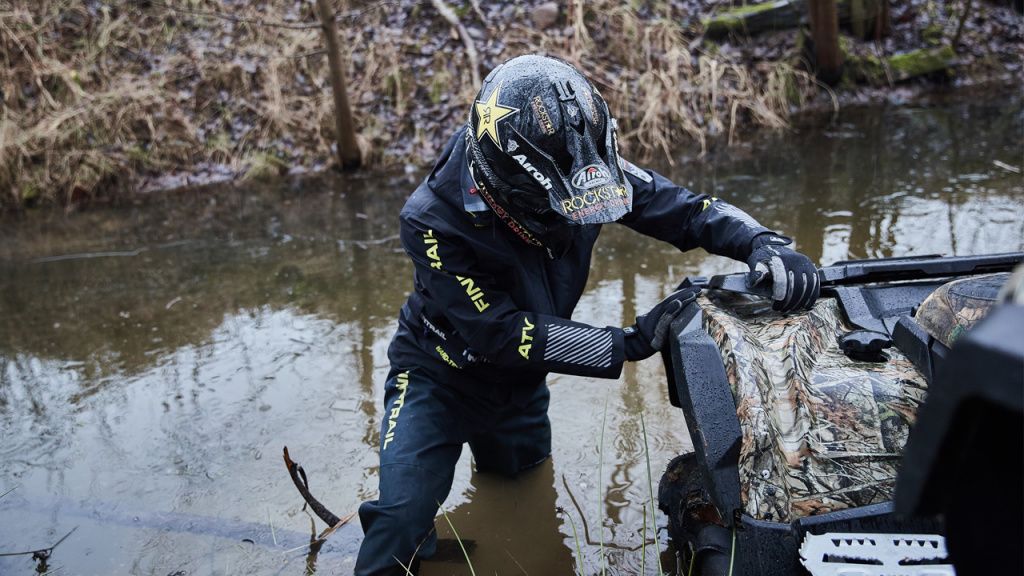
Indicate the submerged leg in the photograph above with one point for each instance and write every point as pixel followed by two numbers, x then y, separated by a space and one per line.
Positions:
pixel 519 437
pixel 420 445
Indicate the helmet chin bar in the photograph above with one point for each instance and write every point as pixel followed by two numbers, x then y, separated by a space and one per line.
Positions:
pixel 557 239
pixel 476 162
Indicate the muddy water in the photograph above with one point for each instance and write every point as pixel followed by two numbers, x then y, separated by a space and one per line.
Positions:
pixel 155 358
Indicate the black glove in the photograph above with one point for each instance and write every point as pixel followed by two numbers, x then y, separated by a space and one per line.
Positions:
pixel 795 283
pixel 647 336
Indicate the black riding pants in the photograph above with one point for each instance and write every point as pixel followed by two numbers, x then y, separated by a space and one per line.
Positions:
pixel 425 423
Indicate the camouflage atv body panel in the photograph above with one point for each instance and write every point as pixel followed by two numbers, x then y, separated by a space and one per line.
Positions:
pixel 955 307
pixel 821 432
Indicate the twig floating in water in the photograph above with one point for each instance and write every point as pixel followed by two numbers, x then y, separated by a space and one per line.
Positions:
pixel 586 528
pixel 87 255
pixel 9 491
pixel 1007 167
pixel 302 484
pixel 328 531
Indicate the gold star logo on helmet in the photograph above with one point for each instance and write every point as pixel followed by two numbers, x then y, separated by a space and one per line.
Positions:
pixel 488 114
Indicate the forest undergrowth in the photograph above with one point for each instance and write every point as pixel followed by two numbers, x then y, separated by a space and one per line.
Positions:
pixel 102 98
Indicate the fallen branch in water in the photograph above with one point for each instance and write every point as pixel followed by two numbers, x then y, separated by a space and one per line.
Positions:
pixel 302 484
pixel 87 255
pixel 333 522
pixel 43 554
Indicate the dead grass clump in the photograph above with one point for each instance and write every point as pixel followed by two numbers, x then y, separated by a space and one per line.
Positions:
pixel 98 95
pixel 663 87
pixel 666 90
pixel 61 126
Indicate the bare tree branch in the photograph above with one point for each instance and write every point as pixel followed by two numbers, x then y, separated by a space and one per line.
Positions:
pixel 960 24
pixel 449 15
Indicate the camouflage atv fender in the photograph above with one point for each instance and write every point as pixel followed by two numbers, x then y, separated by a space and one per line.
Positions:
pixel 820 432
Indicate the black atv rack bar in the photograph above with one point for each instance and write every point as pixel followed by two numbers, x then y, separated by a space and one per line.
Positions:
pixel 916 268
pixel 848 272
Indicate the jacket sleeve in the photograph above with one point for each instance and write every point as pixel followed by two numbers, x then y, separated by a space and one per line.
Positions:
pixel 668 212
pixel 449 280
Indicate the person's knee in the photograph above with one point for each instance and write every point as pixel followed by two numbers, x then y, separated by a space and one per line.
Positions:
pixel 519 445
pixel 509 460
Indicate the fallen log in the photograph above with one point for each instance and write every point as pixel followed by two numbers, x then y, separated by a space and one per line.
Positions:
pixel 901 67
pixel 863 16
pixel 756 18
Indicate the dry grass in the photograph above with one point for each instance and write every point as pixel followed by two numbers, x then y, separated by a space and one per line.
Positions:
pixel 666 93
pixel 106 96
pixel 98 95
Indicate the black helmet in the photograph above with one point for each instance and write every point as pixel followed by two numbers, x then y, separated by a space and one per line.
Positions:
pixel 542 152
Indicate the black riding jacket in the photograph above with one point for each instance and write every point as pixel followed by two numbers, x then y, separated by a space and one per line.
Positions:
pixel 489 310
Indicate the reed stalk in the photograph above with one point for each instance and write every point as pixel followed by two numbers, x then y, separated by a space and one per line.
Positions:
pixel 459 540
pixel 576 538
pixel 600 487
pixel 650 488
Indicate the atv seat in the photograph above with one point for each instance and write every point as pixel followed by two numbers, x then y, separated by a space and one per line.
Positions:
pixel 957 306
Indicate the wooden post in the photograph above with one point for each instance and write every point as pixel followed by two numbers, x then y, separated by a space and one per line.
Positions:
pixel 825 34
pixel 349 155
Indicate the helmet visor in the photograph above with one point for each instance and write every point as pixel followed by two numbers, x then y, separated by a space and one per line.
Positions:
pixel 591 191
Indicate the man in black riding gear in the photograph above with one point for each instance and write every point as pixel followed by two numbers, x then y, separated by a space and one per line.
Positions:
pixel 500 234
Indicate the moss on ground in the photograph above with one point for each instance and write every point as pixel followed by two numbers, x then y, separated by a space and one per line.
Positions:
pixel 734 19
pixel 921 62
pixel 901 67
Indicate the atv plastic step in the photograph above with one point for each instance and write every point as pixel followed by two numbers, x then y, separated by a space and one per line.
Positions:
pixel 839 554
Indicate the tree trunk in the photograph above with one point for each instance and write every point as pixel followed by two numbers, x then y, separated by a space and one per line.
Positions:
pixel 825 34
pixel 858 21
pixel 349 156
pixel 883 22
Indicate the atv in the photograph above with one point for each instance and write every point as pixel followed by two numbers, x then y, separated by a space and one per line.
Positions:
pixel 839 441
